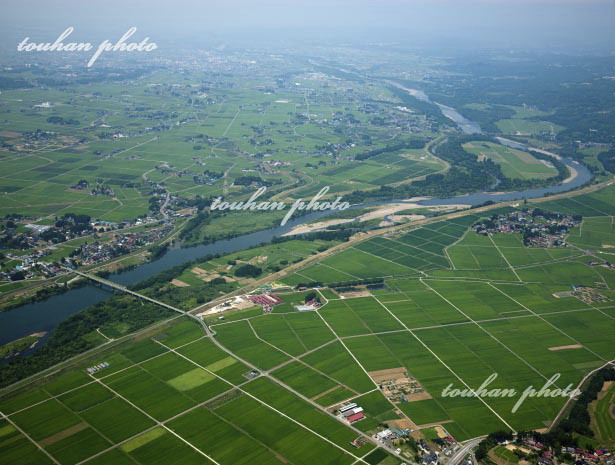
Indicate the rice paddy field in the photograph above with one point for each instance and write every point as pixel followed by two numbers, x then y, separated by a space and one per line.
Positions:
pixel 454 309
pixel 173 397
pixel 158 132
pixel 482 305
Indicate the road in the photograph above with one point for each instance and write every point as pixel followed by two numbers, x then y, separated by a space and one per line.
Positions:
pixel 466 448
pixel 209 334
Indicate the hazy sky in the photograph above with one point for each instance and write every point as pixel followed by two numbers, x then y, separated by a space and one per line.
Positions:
pixel 498 23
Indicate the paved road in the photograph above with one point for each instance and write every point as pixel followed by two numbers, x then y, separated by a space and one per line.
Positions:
pixel 458 457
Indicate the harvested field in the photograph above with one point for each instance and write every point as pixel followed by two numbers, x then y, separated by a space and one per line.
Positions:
pixel 570 346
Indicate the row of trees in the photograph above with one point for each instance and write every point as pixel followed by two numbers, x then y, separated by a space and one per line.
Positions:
pixel 417 143
pixel 568 430
pixel 68 339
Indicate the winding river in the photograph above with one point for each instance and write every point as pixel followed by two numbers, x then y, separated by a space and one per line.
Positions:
pixel 45 315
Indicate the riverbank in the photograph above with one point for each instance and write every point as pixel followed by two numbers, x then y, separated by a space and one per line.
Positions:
pixel 379 212
pixel 311 259
pixel 46 315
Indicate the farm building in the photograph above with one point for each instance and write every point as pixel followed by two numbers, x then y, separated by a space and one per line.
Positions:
pixel 355 417
pixel 266 300
pixel 347 407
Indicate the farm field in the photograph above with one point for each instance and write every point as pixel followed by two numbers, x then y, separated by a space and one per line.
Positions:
pixel 472 325
pixel 447 307
pixel 602 414
pixel 171 398
pixel 131 143
pixel 296 238
pixel 515 164
pixel 595 233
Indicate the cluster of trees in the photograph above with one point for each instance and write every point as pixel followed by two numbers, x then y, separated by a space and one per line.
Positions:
pixel 249 180
pixel 416 143
pixel 608 160
pixel 568 430
pixel 343 284
pixel 578 420
pixel 62 121
pixel 75 223
pixel 159 250
pixel 341 236
pixel 193 225
pixel 549 215
pixel 312 296
pixel 155 204
pixel 199 202
pixel 213 174
pixel 248 271
pixel 68 339
pixel 467 174
pixel 491 441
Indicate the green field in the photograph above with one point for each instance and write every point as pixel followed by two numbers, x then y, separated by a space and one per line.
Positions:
pixel 455 308
pixel 179 404
pixel 602 415
pixel 527 127
pixel 515 164
pixel 595 233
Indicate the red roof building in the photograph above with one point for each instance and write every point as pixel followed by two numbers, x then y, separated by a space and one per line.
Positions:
pixel 354 418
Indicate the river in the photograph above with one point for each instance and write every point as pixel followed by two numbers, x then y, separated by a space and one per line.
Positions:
pixel 46 315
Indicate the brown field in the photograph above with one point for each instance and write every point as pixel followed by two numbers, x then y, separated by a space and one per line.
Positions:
pixel 355 294
pixel 424 395
pixel 63 434
pixel 382 375
pixel 402 423
pixel 571 346
pixel 178 283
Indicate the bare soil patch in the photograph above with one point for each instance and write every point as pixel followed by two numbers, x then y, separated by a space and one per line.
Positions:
pixel 355 294
pixel 522 449
pixel 63 434
pixel 402 423
pixel 570 346
pixel 382 375
pixel 424 395
pixel 178 283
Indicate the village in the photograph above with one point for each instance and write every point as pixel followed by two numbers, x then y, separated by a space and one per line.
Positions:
pixel 120 244
pixel 531 448
pixel 539 228
pixel 35 248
